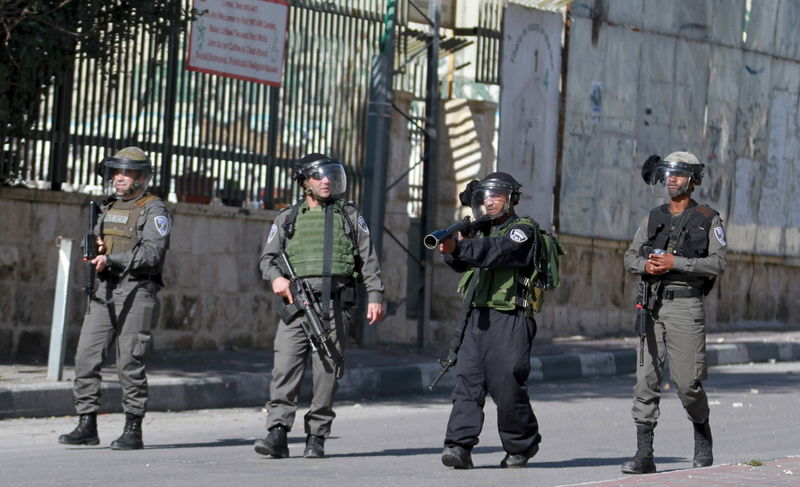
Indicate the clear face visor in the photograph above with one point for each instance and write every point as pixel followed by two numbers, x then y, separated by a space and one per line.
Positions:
pixel 326 180
pixel 490 203
pixel 120 182
pixel 668 182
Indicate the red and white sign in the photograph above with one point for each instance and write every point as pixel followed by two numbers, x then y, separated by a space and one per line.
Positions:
pixel 242 39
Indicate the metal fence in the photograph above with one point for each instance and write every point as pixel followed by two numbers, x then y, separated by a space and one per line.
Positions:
pixel 214 137
pixel 210 136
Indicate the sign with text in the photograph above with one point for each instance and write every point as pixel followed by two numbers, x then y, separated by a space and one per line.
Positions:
pixel 242 39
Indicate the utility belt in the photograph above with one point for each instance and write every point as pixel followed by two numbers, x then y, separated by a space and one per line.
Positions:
pixel 346 295
pixel 689 292
pixel 114 278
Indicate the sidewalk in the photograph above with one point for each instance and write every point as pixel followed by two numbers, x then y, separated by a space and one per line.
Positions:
pixel 201 380
pixel 774 473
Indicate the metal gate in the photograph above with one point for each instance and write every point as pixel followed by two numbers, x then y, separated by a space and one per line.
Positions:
pixel 209 136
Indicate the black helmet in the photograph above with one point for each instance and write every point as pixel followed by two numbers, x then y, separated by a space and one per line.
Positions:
pixel 486 194
pixel 502 180
pixel 319 166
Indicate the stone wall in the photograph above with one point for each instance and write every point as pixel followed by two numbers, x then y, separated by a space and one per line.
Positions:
pixel 596 297
pixel 213 298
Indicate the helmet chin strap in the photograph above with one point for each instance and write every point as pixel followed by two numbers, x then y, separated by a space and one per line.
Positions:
pixel 308 192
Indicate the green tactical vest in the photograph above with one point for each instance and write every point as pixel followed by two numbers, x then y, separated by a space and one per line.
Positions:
pixel 305 248
pixel 118 229
pixel 499 288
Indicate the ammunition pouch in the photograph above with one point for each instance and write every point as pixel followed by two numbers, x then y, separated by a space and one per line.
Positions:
pixel 348 297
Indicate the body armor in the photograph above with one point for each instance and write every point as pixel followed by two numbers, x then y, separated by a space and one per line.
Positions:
pixel 305 248
pixel 508 287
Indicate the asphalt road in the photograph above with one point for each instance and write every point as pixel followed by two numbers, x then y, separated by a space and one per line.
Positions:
pixel 586 427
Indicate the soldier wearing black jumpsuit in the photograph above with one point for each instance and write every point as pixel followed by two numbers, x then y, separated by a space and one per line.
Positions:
pixel 494 356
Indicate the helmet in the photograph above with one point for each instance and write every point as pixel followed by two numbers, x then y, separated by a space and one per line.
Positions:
pixel 128 159
pixel 680 164
pixel 493 196
pixel 318 167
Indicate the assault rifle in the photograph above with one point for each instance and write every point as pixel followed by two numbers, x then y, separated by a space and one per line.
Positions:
pixel 642 316
pixel 446 364
pixel 89 253
pixel 304 303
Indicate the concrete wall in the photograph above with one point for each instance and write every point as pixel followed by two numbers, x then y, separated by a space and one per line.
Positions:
pixel 650 77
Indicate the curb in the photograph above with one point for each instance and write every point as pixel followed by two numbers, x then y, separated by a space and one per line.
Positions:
pixel 251 389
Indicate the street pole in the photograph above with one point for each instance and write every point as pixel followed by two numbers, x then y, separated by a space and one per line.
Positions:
pixel 429 172
pixel 379 118
pixel 55 359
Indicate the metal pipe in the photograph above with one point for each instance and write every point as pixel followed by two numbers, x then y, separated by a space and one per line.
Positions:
pixel 55 359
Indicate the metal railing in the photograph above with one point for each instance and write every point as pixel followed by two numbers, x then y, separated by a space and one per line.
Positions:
pixel 215 137
pixel 209 136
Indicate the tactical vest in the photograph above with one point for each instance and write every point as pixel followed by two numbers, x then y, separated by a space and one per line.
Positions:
pixel 305 248
pixel 120 222
pixel 692 241
pixel 506 288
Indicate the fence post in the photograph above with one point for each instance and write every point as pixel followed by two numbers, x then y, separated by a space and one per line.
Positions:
pixel 55 359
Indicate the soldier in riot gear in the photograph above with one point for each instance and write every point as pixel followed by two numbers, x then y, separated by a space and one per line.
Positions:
pixel 679 249
pixel 494 354
pixel 327 243
pixel 133 231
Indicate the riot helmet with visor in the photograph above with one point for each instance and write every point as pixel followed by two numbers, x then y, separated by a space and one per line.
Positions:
pixel 127 172
pixel 493 197
pixel 675 175
pixel 321 176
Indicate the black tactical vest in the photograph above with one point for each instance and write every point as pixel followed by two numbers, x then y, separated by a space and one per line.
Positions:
pixel 692 241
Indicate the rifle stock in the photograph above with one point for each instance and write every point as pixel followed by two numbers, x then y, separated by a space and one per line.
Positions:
pixel 446 364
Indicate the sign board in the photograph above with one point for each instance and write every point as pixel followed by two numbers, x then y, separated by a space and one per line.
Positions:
pixel 242 39
pixel 529 106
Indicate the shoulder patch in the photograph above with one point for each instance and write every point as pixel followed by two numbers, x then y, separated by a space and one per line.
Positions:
pixel 362 224
pixel 719 232
pixel 272 232
pixel 162 225
pixel 517 235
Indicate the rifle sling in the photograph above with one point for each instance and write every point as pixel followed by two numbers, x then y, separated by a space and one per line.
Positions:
pixel 327 263
pixel 462 319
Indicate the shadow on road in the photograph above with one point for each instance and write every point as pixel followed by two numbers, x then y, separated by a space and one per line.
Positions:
pixel 401 452
pixel 598 462
pixel 207 444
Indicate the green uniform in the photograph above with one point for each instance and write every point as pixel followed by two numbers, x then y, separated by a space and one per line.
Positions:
pixel 351 262
pixel 678 332
pixel 136 233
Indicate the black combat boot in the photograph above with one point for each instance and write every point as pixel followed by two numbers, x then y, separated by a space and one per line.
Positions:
pixel 457 456
pixel 83 434
pixel 703 456
pixel 642 461
pixel 519 459
pixel 275 444
pixel 131 438
pixel 315 446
